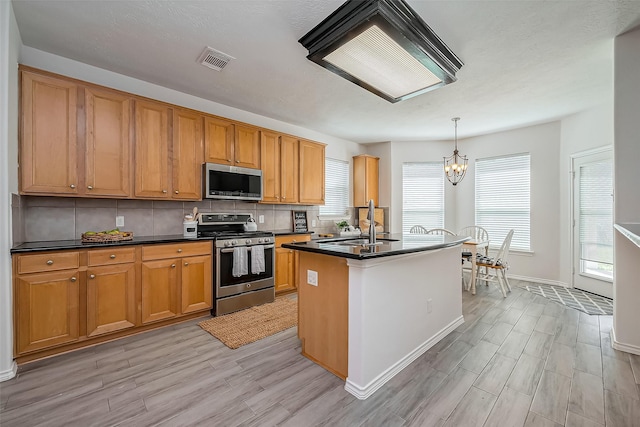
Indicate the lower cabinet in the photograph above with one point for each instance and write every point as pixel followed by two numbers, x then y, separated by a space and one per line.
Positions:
pixel 286 262
pixel 69 299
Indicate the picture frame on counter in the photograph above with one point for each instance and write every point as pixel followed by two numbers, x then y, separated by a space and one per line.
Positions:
pixel 300 221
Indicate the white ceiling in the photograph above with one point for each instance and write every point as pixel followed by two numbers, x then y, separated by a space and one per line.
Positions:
pixel 526 62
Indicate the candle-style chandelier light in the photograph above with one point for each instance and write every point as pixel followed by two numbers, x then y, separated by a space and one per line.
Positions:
pixel 455 166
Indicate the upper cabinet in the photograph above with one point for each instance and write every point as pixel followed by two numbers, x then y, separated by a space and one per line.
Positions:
pixel 230 143
pixel 280 167
pixel 152 150
pixel 107 154
pixel 365 180
pixel 48 149
pixel 187 155
pixel 311 173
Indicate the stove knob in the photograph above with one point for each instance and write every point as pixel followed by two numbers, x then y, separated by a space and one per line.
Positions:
pixel 266 240
pixel 248 241
pixel 227 243
pixel 235 242
pixel 259 240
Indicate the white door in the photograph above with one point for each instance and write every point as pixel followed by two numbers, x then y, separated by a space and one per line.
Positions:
pixel 593 222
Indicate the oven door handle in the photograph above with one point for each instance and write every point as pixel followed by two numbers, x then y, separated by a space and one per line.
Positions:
pixel 230 250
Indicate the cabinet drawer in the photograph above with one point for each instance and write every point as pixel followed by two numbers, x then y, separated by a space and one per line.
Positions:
pixel 291 238
pixel 48 262
pixel 175 250
pixel 111 256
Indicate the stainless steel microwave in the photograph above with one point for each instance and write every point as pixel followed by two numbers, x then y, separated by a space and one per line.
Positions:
pixel 232 182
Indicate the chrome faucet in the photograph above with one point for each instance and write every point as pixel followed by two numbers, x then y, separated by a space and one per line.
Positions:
pixel 372 223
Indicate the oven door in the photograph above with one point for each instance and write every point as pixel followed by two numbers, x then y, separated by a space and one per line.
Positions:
pixel 227 285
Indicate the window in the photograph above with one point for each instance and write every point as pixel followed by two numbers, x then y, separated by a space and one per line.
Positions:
pixel 336 188
pixel 422 195
pixel 503 199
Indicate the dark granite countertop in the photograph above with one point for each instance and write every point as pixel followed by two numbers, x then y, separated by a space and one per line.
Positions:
pixel 289 232
pixel 394 244
pixel 629 230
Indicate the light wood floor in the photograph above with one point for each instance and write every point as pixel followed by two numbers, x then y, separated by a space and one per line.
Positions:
pixel 519 361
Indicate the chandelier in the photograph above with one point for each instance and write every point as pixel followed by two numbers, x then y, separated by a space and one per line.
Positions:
pixel 455 166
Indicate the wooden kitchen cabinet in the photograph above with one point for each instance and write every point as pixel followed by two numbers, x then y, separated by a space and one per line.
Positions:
pixel 111 290
pixel 48 146
pixel 152 150
pixel 231 143
pixel 311 173
pixel 108 155
pixel 176 279
pixel 286 271
pixel 187 155
pixel 46 300
pixel 365 180
pixel 280 168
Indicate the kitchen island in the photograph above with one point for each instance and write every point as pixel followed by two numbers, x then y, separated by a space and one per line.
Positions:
pixel 367 312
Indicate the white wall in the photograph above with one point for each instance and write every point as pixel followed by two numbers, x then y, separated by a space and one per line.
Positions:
pixel 580 132
pixel 9 47
pixel 626 289
pixel 336 148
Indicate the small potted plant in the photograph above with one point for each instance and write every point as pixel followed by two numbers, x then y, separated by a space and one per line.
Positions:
pixel 343 225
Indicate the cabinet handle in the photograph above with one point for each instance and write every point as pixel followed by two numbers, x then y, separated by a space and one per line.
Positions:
pixel 294 240
pixel 177 192
pixel 164 191
pixel 228 160
pixel 112 256
pixel 92 276
pixel 89 187
pixel 179 251
pixel 72 186
pixel 237 161
pixel 73 279
pixel 186 263
pixel 50 262
pixel 173 266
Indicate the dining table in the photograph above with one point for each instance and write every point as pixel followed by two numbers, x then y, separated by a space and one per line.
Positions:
pixel 474 246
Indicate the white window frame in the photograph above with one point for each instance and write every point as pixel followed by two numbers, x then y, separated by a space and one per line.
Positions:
pixel 418 198
pixel 336 189
pixel 497 189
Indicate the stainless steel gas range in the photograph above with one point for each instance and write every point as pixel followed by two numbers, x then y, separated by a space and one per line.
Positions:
pixel 248 286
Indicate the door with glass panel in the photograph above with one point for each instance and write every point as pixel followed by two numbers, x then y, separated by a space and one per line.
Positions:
pixel 593 222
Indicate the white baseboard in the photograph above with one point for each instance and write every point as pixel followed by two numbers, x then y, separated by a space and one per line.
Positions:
pixel 633 349
pixel 9 373
pixel 366 391
pixel 538 280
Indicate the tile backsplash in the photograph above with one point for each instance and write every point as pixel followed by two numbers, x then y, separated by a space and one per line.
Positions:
pixel 59 218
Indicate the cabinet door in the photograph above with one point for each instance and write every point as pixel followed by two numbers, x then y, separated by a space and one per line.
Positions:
pixel 47 310
pixel 159 290
pixel 218 141
pixel 365 180
pixel 270 165
pixel 284 280
pixel 289 169
pixel 311 173
pixel 196 284
pixel 187 155
pixel 108 159
pixel 48 146
pixel 247 147
pixel 111 298
pixel 152 150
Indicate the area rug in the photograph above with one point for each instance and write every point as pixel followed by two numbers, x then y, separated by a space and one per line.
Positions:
pixel 253 324
pixel 574 298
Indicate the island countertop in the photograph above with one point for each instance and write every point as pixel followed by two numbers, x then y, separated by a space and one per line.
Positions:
pixel 394 244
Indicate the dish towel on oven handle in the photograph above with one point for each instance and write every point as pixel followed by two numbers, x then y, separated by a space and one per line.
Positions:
pixel 240 262
pixel 257 259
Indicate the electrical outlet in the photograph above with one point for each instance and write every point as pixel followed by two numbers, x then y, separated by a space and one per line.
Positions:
pixel 313 222
pixel 312 277
pixel 120 221
pixel 429 305
pixel 261 219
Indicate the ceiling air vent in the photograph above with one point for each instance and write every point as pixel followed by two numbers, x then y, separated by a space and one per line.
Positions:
pixel 214 59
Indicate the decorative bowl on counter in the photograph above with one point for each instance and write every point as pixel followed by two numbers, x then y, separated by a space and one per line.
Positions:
pixel 111 236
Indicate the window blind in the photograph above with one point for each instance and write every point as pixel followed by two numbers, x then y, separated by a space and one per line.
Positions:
pixel 422 195
pixel 503 186
pixel 596 218
pixel 336 188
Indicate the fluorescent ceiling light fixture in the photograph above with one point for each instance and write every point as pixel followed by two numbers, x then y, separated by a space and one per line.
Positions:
pixel 384 47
